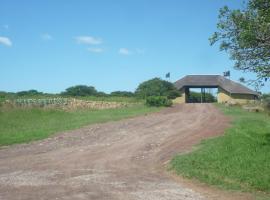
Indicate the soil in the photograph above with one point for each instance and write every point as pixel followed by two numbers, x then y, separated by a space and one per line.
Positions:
pixel 124 160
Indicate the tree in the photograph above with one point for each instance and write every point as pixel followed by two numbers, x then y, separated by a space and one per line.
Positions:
pixel 245 34
pixel 122 94
pixel 80 90
pixel 157 87
pixel 28 93
pixel 101 94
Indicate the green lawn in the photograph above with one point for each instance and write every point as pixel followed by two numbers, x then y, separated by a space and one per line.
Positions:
pixel 239 160
pixel 24 125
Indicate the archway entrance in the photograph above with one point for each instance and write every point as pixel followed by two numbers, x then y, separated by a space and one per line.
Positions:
pixel 227 89
pixel 201 95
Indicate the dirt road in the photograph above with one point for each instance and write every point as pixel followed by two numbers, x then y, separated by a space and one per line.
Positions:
pixel 116 160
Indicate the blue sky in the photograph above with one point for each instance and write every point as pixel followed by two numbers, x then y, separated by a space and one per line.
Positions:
pixel 112 45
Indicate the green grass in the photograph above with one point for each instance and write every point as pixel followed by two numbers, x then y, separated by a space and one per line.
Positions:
pixel 239 160
pixel 25 125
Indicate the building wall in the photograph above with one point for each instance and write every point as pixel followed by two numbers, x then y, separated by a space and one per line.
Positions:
pixel 224 97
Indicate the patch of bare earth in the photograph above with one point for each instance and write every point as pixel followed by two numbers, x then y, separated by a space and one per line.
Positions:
pixel 115 160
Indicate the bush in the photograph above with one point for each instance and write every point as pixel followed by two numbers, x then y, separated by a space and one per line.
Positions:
pixel 158 101
pixel 157 87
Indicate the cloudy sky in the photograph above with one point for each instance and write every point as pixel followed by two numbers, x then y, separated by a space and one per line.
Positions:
pixel 110 44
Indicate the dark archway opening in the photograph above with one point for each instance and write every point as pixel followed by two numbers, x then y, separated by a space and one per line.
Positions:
pixel 201 95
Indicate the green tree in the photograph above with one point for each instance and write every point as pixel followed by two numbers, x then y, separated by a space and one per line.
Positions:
pixel 157 87
pixel 101 94
pixel 80 90
pixel 29 93
pixel 245 34
pixel 122 94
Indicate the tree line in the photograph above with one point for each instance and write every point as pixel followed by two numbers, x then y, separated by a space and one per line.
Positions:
pixel 152 87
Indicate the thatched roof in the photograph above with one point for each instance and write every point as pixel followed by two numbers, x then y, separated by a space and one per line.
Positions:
pixel 213 81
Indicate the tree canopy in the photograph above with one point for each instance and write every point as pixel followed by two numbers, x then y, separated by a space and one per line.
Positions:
pixel 80 90
pixel 245 34
pixel 29 93
pixel 122 94
pixel 157 87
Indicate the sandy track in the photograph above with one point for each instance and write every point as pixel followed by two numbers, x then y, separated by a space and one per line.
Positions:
pixel 115 160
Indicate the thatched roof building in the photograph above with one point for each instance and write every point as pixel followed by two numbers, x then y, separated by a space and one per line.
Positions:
pixel 227 89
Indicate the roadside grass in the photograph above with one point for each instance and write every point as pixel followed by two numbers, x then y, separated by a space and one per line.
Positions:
pixel 25 125
pixel 238 160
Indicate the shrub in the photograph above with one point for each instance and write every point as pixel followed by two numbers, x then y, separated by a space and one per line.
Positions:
pixel 157 87
pixel 158 101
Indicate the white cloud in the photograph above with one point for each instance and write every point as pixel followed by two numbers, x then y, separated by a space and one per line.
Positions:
pixel 5 41
pixel 46 36
pixel 96 50
pixel 124 51
pixel 88 40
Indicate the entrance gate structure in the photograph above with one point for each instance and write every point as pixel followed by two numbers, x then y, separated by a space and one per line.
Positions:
pixel 228 90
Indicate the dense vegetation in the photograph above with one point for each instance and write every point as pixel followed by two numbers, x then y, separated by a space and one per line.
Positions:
pixel 238 160
pixel 157 87
pixel 80 90
pixel 244 34
pixel 158 101
pixel 29 93
pixel 122 94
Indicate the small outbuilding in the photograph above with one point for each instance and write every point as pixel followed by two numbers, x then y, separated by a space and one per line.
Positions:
pixel 228 90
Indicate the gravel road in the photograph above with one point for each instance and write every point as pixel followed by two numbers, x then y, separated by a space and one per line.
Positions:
pixel 116 160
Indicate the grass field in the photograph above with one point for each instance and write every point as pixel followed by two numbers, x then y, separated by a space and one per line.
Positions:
pixel 239 160
pixel 25 125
